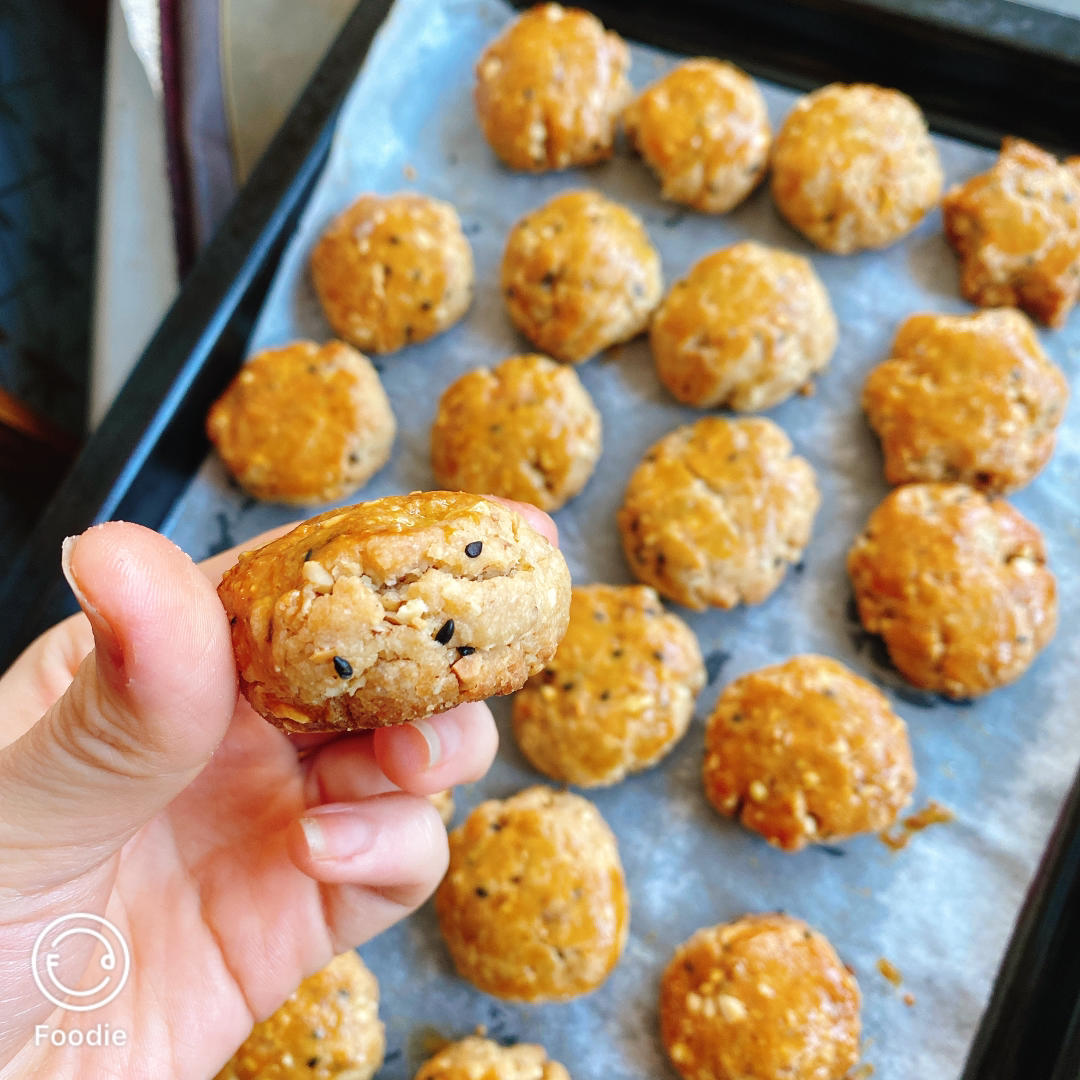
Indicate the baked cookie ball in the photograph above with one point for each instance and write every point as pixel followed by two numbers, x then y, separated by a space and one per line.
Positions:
pixel 303 424
pixel 761 998
pixel 1016 229
pixel 619 692
pixel 550 87
pixel 329 1029
pixel 443 801
pixel 393 270
pixel 966 397
pixel 717 511
pixel 703 129
pixel 853 167
pixel 957 586
pixel 534 906
pixel 481 1059
pixel 580 274
pixel 393 610
pixel 525 430
pixel 806 752
pixel 746 328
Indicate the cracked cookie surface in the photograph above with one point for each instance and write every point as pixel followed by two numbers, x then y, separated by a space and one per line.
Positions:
pixel 476 1058
pixel 393 610
pixel 853 167
pixel 704 130
pixel 328 1029
pixel 757 999
pixel 550 87
pixel 747 327
pixel 303 423
pixel 806 752
pixel 957 586
pixel 526 429
pixel 392 270
pixel 1016 229
pixel 717 511
pixel 580 274
pixel 534 905
pixel 619 692
pixel 970 398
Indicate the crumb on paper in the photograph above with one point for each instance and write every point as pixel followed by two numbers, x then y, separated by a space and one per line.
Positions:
pixel 909 1000
pixel 933 813
pixel 409 171
pixel 808 389
pixel 890 971
pixel 862 1072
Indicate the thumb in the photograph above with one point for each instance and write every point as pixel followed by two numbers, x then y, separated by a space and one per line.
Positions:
pixel 142 716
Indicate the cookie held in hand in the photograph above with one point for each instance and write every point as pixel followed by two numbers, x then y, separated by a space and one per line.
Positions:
pixel 392 610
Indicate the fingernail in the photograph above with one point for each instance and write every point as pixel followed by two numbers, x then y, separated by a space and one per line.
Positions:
pixel 105 637
pixel 431 737
pixel 337 832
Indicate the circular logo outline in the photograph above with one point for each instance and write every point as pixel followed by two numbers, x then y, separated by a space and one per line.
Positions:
pixel 108 961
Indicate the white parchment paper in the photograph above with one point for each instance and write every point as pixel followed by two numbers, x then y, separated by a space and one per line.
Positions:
pixel 942 910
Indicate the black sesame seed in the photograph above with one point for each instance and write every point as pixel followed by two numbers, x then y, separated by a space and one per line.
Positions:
pixel 312 1062
pixel 446 632
pixel 657 655
pixel 466 650
pixel 232 621
pixel 568 686
pixel 481 891
pixel 474 549
pixel 342 667
pixel 307 554
pixel 605 695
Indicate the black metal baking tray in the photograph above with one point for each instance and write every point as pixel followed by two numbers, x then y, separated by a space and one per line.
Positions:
pixel 979 68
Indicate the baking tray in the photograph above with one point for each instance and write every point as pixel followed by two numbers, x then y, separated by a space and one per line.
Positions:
pixel 150 444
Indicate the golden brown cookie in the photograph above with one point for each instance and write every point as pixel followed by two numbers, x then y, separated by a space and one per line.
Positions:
pixel 304 423
pixel 853 167
pixel 761 998
pixel 1016 229
pixel 717 511
pixel 329 1029
pixel 957 586
pixel 443 801
pixel 619 692
pixel 475 1058
pixel 580 274
pixel 534 906
pixel 747 327
pixel 393 270
pixel 806 752
pixel 526 430
pixel 703 129
pixel 393 610
pixel 971 398
pixel 550 87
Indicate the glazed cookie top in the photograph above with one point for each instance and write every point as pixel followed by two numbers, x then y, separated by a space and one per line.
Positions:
pixel 526 429
pixel 394 609
pixel 580 274
pixel 476 1058
pixel 549 89
pixel 392 270
pixel 716 512
pixel 619 692
pixel 807 752
pixel 704 130
pixel 765 996
pixel 853 167
pixel 966 397
pixel 747 327
pixel 534 906
pixel 956 584
pixel 1017 231
pixel 329 1029
pixel 303 423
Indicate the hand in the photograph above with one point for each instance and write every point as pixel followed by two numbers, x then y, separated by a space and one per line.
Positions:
pixel 234 859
